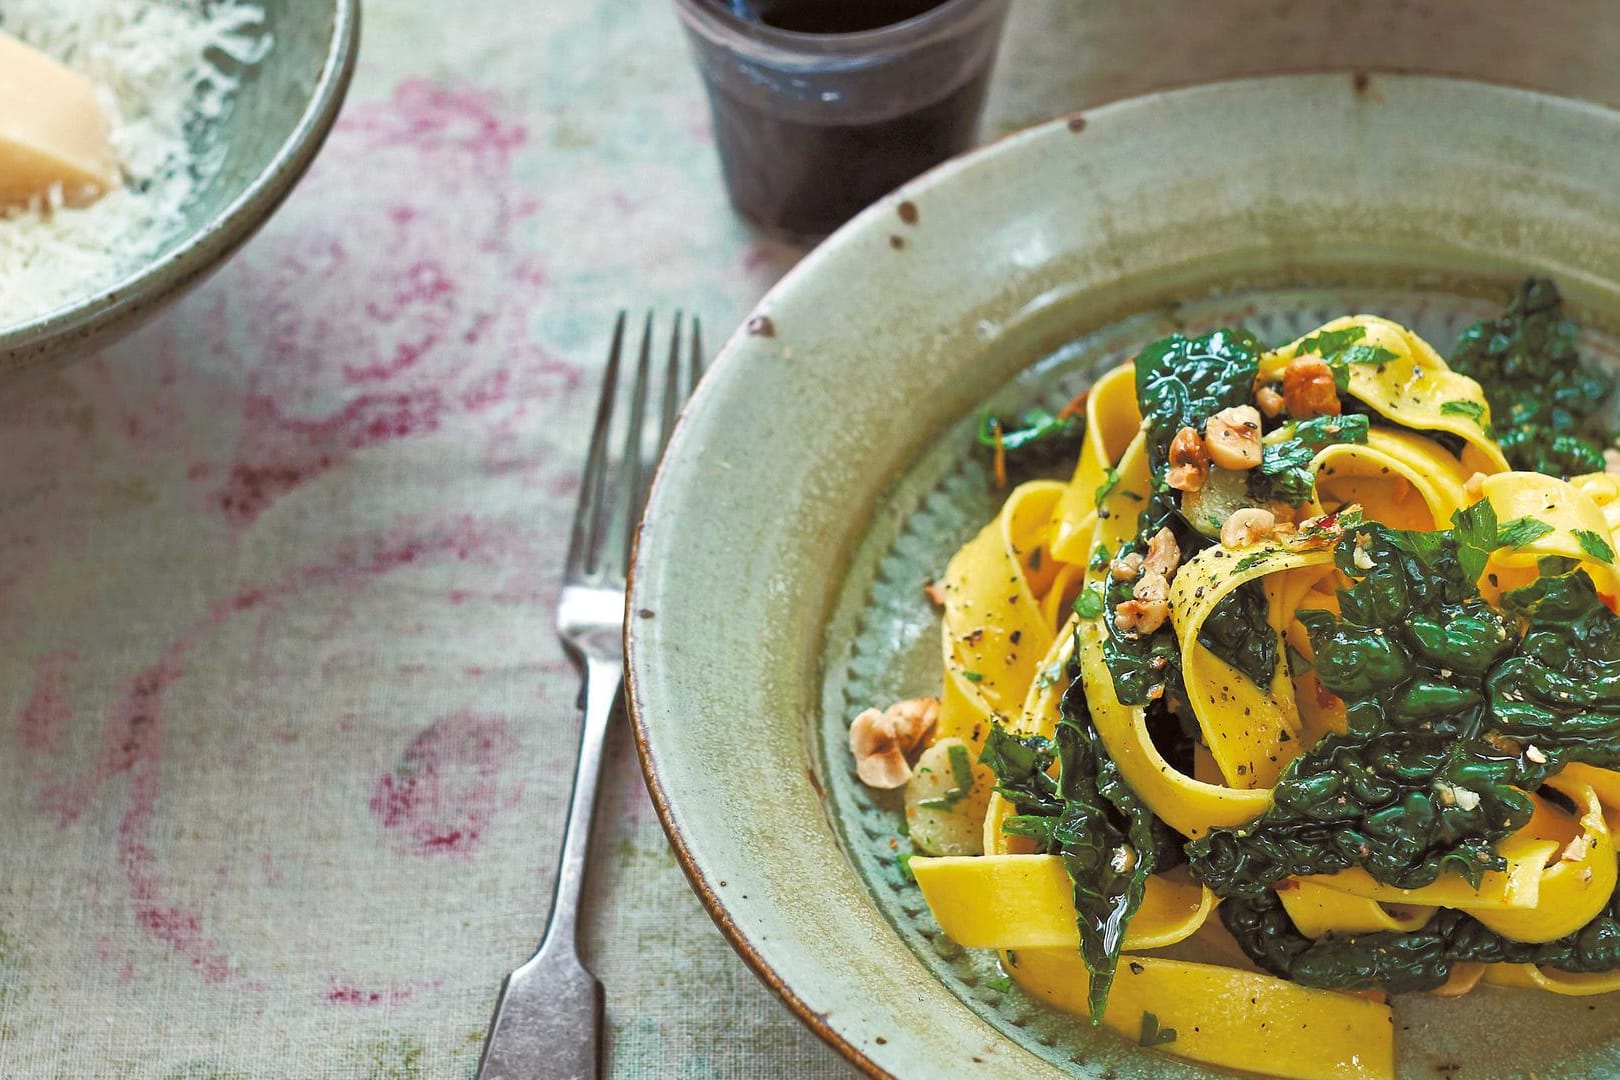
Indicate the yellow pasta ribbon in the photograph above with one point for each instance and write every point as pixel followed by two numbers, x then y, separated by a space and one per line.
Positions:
pixel 995 632
pixel 1190 807
pixel 1112 420
pixel 1251 732
pixel 1224 1016
pixel 1516 888
pixel 1398 478
pixel 1572 891
pixel 1416 388
pixel 1604 491
pixel 1563 506
pixel 1567 983
pixel 1316 910
pixel 1027 902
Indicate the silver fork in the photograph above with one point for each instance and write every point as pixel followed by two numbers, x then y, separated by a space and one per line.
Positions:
pixel 548 1018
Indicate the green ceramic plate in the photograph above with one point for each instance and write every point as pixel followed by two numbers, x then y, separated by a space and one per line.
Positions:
pixel 823 472
pixel 280 116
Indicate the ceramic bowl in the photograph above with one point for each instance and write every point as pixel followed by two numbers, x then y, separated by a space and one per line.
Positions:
pixel 282 113
pixel 823 471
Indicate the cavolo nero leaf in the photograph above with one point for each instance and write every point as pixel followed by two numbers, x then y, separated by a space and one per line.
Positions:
pixel 1542 400
pixel 1109 841
pixel 1238 632
pixel 1560 692
pixel 1180 382
pixel 1035 441
pixel 1412 789
pixel 1399 962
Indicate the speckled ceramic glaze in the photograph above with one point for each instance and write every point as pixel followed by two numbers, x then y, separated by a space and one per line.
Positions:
pixel 282 112
pixel 822 473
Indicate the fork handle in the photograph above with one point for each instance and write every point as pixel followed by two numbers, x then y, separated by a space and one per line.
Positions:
pixel 604 677
pixel 548 1019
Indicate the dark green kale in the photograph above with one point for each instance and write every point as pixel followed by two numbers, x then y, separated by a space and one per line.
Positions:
pixel 1238 632
pixel 1387 804
pixel 1110 842
pixel 1285 473
pixel 1180 382
pixel 1145 667
pixel 1414 788
pixel 1417 960
pixel 1036 442
pixel 1561 690
pixel 1542 401
pixel 1413 640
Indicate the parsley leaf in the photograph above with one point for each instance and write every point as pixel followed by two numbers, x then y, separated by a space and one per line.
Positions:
pixel 1089 604
pixel 1594 545
pixel 972 676
pixel 1367 354
pixel 1471 409
pixel 1001 983
pixel 1521 531
pixel 1034 425
pixel 1106 488
pixel 1285 458
pixel 1476 532
pixel 961 775
pixel 1330 343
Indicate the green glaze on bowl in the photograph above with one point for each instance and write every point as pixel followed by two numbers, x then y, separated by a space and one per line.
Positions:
pixel 280 116
pixel 821 473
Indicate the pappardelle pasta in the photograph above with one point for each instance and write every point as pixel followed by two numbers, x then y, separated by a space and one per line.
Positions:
pixel 1312 662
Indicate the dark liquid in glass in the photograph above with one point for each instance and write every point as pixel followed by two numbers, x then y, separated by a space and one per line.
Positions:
pixel 838 16
pixel 804 178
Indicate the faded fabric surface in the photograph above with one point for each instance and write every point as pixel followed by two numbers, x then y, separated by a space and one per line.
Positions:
pixel 286 732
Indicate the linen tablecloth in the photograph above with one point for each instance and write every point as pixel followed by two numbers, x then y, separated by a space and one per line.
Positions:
pixel 286 734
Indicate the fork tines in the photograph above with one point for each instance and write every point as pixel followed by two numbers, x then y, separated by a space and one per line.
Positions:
pixel 614 489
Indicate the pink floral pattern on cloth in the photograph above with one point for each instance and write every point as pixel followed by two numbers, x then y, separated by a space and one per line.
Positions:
pixel 287 734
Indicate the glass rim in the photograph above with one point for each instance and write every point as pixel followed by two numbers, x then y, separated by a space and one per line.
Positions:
pixel 949 17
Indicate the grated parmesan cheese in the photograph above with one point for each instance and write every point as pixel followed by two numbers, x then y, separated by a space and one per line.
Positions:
pixel 162 68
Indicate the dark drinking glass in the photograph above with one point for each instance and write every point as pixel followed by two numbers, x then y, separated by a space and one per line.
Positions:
pixel 822 106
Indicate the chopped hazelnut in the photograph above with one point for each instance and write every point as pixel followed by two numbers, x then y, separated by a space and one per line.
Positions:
pixel 1247 527
pixel 1474 486
pixel 1362 560
pixel 1151 587
pixel 1163 554
pixel 1126 567
pixel 1534 754
pixel 1142 616
pixel 1576 850
pixel 1271 402
pixel 880 741
pixel 1232 437
pixel 1611 460
pixel 1189 461
pixel 1308 388
pixel 935 593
